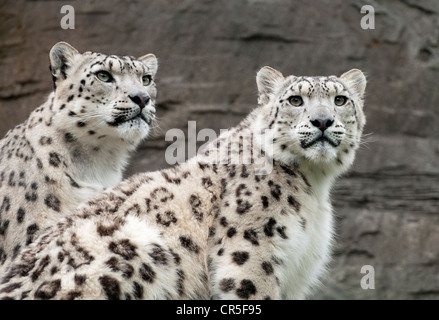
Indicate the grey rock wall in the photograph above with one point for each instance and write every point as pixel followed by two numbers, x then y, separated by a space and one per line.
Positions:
pixel 387 207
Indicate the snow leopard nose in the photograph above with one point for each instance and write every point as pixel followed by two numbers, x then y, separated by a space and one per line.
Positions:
pixel 140 100
pixel 322 124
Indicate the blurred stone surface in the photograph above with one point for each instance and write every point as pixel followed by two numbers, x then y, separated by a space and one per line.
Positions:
pixel 387 207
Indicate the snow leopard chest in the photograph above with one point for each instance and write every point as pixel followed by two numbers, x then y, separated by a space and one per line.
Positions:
pixel 304 253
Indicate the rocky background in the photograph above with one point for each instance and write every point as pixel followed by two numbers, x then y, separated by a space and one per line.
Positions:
pixel 387 206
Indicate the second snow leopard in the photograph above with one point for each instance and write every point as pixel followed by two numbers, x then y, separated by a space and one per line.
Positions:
pixel 76 144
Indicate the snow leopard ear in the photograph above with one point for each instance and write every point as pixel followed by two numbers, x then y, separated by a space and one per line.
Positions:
pixel 61 58
pixel 267 80
pixel 150 61
pixel 356 80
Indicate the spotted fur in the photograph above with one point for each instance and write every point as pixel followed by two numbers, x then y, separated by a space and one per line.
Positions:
pixel 74 145
pixel 241 220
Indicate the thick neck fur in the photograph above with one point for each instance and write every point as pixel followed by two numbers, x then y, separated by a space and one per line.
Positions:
pixel 99 160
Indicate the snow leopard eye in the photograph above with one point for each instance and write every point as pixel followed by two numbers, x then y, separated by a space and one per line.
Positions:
pixel 340 100
pixel 104 76
pixel 296 101
pixel 146 79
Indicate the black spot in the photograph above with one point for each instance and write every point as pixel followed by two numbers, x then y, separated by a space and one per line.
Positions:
pixel 246 290
pixel 79 279
pixel 244 172
pixel 227 284
pixel 119 266
pixel 73 183
pixel 72 114
pixel 305 180
pixel 264 201
pixel 2 255
pixel 31 196
pixel 206 182
pixel 231 232
pixel 4 227
pixel 166 218
pixel 159 255
pixel 91 132
pixel 232 170
pixel 52 202
pixel 11 180
pixel 32 229
pixel 281 231
pixel 124 248
pixel 72 295
pixel 269 227
pixel 70 98
pixel 68 137
pixel 188 244
pixel 39 164
pixel 223 188
pixel 147 273
pixel 6 204
pixel 180 281
pixel 60 256
pixel 44 262
pixel 45 140
pixel 49 180
pixel 177 258
pixel 239 190
pixel 252 236
pixel 195 203
pixel 62 106
pixel 288 170
pixel 164 193
pixel 54 159
pixel 240 257
pixel 137 290
pixel 203 166
pixel 220 252
pixel 47 290
pixel 275 190
pixel 106 230
pixel 223 222
pixel 20 215
pixel 212 231
pixel 111 287
pixel 171 180
pixel 53 270
pixel 243 206
pixel 267 267
pixel 294 203
pixel 11 287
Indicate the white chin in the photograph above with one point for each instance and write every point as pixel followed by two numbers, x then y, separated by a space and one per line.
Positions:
pixel 321 151
pixel 134 130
